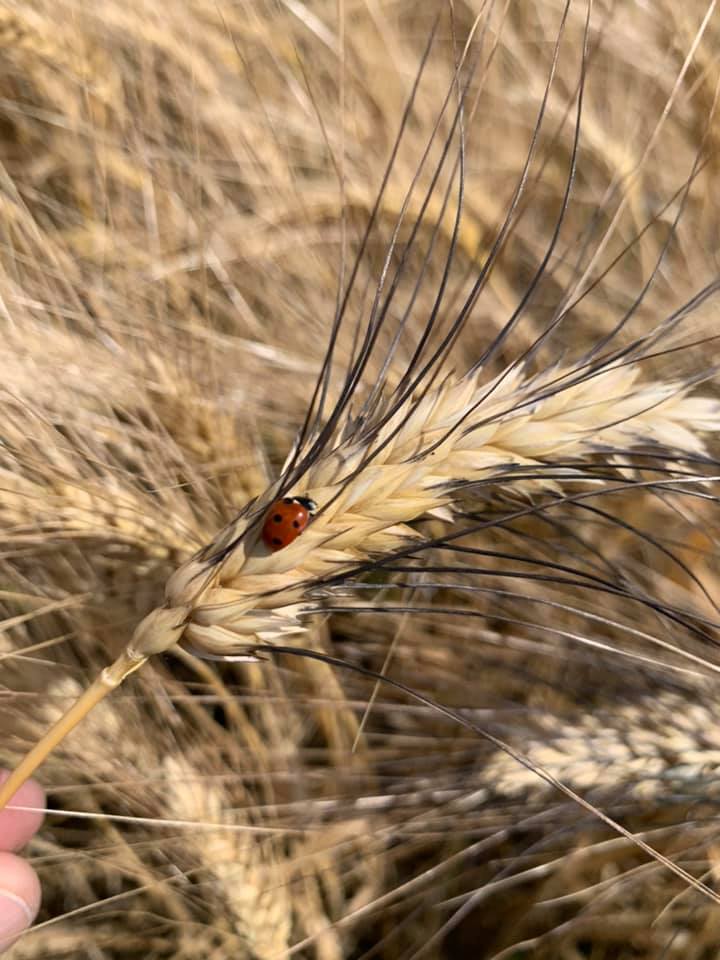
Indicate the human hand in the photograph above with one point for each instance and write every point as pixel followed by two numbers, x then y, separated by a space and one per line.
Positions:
pixel 19 885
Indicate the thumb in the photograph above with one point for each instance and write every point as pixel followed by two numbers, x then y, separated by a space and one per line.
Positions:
pixel 19 897
pixel 19 885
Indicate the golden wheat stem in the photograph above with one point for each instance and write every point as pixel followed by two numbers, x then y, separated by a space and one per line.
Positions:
pixel 110 678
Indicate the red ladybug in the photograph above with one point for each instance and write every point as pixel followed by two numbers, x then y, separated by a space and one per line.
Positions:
pixel 286 520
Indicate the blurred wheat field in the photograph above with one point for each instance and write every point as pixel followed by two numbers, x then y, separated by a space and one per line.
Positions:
pixel 183 189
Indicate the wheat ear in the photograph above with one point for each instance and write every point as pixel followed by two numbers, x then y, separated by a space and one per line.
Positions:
pixel 370 486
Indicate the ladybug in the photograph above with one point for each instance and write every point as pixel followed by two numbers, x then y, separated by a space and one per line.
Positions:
pixel 286 520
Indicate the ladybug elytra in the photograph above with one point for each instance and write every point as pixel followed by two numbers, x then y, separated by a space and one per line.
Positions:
pixel 286 520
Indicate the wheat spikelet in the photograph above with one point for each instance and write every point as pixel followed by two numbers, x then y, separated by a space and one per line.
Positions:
pixel 426 448
pixel 658 749
pixel 248 874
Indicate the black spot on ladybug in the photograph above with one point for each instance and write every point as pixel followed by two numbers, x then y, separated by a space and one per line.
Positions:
pixel 277 541
pixel 296 524
pixel 277 518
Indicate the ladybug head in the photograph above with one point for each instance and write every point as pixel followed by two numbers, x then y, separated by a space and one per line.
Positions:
pixel 306 502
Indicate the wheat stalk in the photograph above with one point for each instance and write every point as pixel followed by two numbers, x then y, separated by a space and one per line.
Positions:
pixel 236 593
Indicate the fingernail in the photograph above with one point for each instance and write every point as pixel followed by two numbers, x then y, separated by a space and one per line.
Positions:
pixel 15 916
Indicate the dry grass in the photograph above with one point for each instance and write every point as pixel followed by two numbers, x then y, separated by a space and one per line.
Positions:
pixel 181 187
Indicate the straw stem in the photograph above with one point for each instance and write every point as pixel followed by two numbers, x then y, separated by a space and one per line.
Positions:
pixel 108 679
